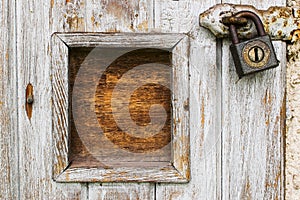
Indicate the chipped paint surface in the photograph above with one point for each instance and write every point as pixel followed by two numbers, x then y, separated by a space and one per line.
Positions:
pixel 73 14
pixel 281 23
pixel 119 16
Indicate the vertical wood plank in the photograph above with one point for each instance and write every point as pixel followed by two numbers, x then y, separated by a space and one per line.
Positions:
pixel 120 16
pixel 181 110
pixel 179 16
pixel 253 126
pixel 204 100
pixel 36 21
pixel 8 103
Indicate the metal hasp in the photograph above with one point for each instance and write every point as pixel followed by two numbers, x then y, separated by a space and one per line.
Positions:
pixel 281 23
pixel 253 55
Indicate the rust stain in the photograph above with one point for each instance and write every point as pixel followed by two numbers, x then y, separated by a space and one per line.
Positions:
pixel 202 114
pixel 284 13
pixel 283 116
pixel 7 55
pixel 175 195
pixel 274 185
pixel 295 35
pixel 28 105
pixel 73 15
pixel 93 19
pixel 267 122
pixel 52 3
pixel 143 26
pixel 247 191
pixel 267 98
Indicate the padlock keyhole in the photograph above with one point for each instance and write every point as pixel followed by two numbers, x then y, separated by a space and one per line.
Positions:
pixel 256 54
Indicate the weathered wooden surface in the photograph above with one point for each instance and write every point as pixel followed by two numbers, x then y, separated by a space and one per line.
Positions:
pixel 99 108
pixel 136 40
pixel 250 110
pixel 8 104
pixel 121 191
pixel 253 127
pixel 204 100
pixel 60 102
pixel 35 23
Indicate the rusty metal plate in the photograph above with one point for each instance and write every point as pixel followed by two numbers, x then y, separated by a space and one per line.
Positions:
pixel 281 23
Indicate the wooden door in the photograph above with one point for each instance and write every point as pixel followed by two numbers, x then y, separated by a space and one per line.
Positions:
pixel 236 126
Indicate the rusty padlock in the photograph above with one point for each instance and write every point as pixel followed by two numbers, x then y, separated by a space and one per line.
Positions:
pixel 253 55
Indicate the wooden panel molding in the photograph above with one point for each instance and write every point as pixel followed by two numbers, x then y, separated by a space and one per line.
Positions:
pixel 176 169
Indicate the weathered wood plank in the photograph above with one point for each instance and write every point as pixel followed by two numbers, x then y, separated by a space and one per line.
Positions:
pixel 204 123
pixel 253 131
pixel 253 128
pixel 60 103
pixel 179 16
pixel 8 104
pixel 130 174
pixel 119 16
pixel 137 40
pixel 181 108
pixel 36 21
pixel 121 191
pixel 204 100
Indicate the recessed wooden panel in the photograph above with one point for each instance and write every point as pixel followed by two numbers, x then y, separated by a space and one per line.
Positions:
pixel 120 107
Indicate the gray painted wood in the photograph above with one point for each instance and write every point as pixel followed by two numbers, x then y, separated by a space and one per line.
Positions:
pixel 253 127
pixel 36 22
pixel 236 127
pixel 8 104
pixel 130 191
pixel 205 105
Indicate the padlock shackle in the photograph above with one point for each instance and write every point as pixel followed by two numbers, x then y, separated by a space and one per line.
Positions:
pixel 233 33
pixel 249 15
pixel 258 23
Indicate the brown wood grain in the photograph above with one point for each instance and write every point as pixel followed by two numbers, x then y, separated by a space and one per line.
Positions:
pixel 141 99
